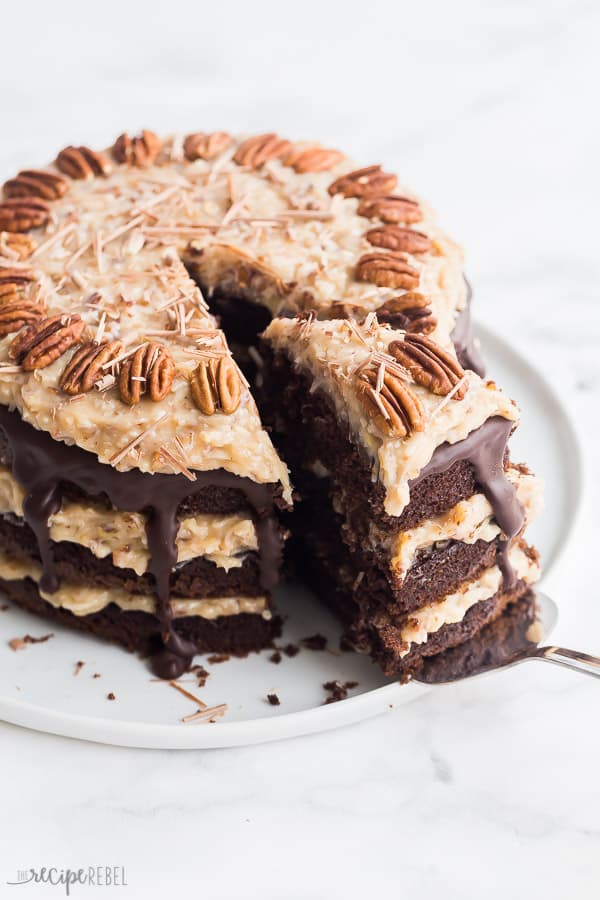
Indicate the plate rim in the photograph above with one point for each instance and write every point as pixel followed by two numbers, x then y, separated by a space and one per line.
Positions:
pixel 246 732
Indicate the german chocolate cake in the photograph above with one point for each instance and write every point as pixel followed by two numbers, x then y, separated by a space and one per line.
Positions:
pixel 182 320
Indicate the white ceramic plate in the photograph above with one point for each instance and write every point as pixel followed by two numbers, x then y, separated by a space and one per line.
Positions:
pixel 38 688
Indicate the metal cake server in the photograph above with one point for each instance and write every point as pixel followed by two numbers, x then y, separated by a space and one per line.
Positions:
pixel 560 656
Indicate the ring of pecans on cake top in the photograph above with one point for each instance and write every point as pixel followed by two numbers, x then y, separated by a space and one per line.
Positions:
pixel 92 282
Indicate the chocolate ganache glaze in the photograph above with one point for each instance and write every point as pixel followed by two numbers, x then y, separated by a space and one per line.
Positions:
pixel 464 340
pixel 43 466
pixel 484 449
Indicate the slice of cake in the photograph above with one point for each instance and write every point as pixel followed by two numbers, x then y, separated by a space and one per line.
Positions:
pixel 139 492
pixel 137 486
pixel 411 516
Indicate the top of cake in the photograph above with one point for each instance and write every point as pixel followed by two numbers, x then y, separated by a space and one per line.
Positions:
pixel 107 342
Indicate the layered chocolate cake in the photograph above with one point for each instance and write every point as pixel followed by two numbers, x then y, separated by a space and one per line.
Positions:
pixel 142 499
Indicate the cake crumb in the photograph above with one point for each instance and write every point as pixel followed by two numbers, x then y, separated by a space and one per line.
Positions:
pixel 21 643
pixel 275 657
pixel 291 650
pixel 110 696
pixel 201 674
pixel 338 690
pixel 218 658
pixel 96 675
pixel 273 700
pixel 78 667
pixel 4 607
pixel 314 642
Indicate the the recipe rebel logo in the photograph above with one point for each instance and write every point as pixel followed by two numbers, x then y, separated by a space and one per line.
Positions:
pixel 67 879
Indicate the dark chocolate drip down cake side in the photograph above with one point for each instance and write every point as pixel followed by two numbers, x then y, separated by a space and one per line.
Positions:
pixel 150 437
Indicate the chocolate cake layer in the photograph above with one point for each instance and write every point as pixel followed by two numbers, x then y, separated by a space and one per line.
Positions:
pixel 141 632
pixel 197 578
pixel 385 643
pixel 320 533
pixel 494 645
pixel 307 431
pixel 326 577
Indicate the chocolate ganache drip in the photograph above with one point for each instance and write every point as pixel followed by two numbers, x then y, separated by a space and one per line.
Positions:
pixel 484 449
pixel 44 467
pixel 464 340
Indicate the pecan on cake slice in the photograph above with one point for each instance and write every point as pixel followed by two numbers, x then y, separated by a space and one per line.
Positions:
pixel 17 246
pixel 390 269
pixel 430 365
pixel 16 308
pixel 150 370
pixel 86 366
pixel 409 312
pixel 215 386
pixel 394 237
pixel 15 278
pixel 367 182
pixel 36 183
pixel 38 345
pixel 256 151
pixel 140 150
pixel 23 213
pixel 206 146
pixel 392 209
pixel 389 402
pixel 82 163
pixel 313 159
pixel 16 313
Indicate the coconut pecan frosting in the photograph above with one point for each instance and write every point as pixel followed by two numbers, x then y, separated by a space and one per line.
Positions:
pixel 106 339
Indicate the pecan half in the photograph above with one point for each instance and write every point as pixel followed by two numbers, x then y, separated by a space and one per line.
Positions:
pixel 84 368
pixel 140 151
pixel 15 312
pixel 364 182
pixel 36 183
pixel 395 408
pixel 256 151
pixel 391 270
pixel 23 213
pixel 38 345
pixel 150 370
pixel 313 159
pixel 19 246
pixel 429 364
pixel 206 146
pixel 215 385
pixel 82 163
pixel 16 276
pixel 410 312
pixel 391 209
pixel 393 237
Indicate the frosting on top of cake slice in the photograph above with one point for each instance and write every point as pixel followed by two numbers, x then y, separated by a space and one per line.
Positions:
pixel 402 395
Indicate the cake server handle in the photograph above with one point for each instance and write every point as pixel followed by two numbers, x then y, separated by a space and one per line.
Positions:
pixel 571 659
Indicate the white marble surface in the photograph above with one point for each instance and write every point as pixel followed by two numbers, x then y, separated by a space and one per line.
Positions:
pixel 487 789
